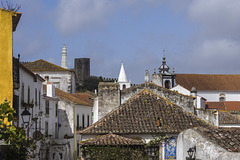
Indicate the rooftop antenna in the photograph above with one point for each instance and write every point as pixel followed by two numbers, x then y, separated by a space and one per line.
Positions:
pixel 9 6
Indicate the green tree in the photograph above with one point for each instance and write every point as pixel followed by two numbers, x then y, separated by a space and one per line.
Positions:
pixel 14 137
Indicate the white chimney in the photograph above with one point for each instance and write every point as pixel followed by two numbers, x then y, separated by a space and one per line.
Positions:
pixel 50 90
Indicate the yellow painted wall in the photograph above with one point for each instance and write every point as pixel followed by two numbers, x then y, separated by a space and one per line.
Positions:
pixel 6 75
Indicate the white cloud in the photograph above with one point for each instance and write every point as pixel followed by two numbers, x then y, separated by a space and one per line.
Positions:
pixel 219 17
pixel 74 15
pixel 220 53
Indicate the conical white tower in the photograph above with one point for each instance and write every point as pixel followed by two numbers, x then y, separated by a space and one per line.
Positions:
pixel 64 57
pixel 122 79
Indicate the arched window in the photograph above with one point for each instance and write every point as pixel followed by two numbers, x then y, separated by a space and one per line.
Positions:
pixel 124 86
pixel 222 97
pixel 167 84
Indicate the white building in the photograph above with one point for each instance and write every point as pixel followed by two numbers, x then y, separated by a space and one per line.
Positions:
pixel 40 101
pixel 200 102
pixel 74 115
pixel 60 77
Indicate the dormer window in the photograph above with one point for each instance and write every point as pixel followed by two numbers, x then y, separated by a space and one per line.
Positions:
pixel 222 97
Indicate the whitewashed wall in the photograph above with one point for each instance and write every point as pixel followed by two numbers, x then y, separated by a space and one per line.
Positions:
pixel 205 149
pixel 64 80
pixel 214 95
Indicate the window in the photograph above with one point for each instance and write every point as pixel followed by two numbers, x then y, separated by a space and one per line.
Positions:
pixel 78 148
pixel 222 97
pixel 83 118
pixel 56 110
pixel 56 130
pixel 88 120
pixel 167 84
pixel 46 128
pixel 153 152
pixel 39 97
pixel 47 107
pixel 124 86
pixel 22 93
pixel 77 121
pixel 29 94
pixel 36 101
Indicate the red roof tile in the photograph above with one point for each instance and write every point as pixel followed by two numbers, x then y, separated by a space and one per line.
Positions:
pixel 226 105
pixel 226 117
pixel 227 138
pixel 86 97
pixel 112 139
pixel 42 65
pixel 217 82
pixel 140 115
pixel 68 97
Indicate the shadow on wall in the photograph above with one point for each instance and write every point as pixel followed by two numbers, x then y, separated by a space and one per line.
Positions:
pixel 65 130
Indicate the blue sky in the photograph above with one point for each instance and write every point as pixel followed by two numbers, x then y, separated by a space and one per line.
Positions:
pixel 198 36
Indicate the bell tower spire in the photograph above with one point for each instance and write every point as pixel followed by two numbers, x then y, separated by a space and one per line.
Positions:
pixel 122 79
pixel 64 57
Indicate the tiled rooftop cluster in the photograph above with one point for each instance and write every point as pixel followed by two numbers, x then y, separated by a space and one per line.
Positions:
pixel 41 65
pixel 227 118
pixel 141 114
pixel 69 97
pixel 86 97
pixel 112 139
pixel 228 138
pixel 215 82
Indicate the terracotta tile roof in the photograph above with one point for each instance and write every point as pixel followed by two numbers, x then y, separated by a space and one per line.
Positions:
pixel 68 97
pixel 227 138
pixel 86 97
pixel 140 115
pixel 218 82
pixel 42 65
pixel 112 139
pixel 226 105
pixel 215 105
pixel 227 118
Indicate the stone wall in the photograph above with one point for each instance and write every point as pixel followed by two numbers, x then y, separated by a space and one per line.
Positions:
pixel 209 116
pixel 82 69
pixel 108 98
pixel 157 79
pixel 186 102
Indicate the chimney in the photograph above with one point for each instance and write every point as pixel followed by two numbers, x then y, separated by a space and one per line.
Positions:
pixel 50 90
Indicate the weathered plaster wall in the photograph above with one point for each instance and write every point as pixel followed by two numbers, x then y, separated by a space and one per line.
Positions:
pixel 157 79
pixel 209 116
pixel 205 150
pixel 108 98
pixel 66 118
